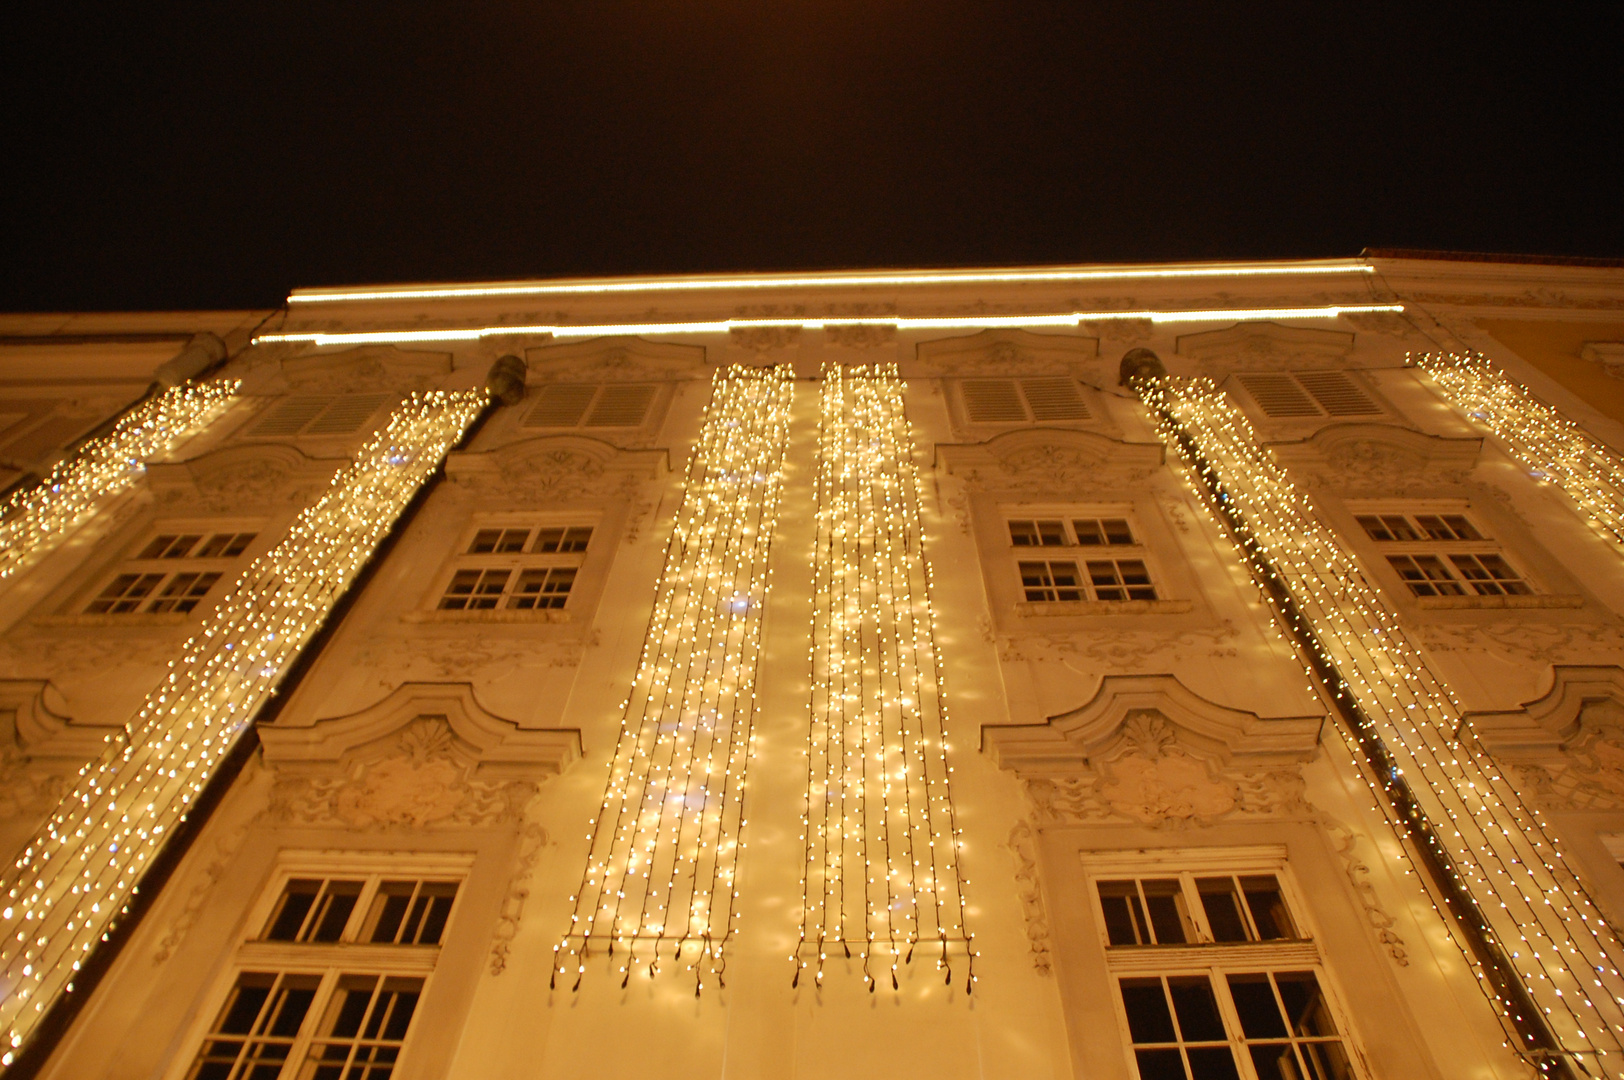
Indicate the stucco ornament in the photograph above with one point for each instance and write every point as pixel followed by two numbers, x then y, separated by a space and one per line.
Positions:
pixel 420 783
pixel 1591 777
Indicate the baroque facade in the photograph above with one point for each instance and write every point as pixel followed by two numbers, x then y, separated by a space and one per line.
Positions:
pixel 1107 672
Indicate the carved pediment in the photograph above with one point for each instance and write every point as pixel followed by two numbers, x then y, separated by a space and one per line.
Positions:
pixel 1054 461
pixel 371 368
pixel 1255 346
pixel 34 722
pixel 237 478
pixel 1566 746
pixel 555 468
pixel 1380 459
pixel 1147 749
pixel 1006 352
pixel 615 359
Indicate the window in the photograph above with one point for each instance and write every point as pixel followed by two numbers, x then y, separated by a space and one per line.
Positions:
pixel 517 568
pixel 1053 580
pixel 316 1013
pixel 171 574
pixel 1288 395
pixel 1443 554
pixel 1215 978
pixel 318 414
pixel 1019 401
pixel 590 405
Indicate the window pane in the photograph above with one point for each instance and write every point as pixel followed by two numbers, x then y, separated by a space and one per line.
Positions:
pixel 1326 1060
pixel 1160 1065
pixel 1089 533
pixel 183 593
pixel 159 545
pixel 1374 528
pixel 1275 1061
pixel 485 541
pixel 362 1028
pixel 1434 527
pixel 1023 533
pixel 1268 908
pixel 1035 581
pixel 1051 534
pixel 1117 531
pixel 1068 585
pixel 1400 527
pixel 576 538
pixel 1223 909
pixel 1165 899
pixel 298 897
pixel 333 910
pixel 1124 915
pixel 267 1011
pixel 1212 1063
pixel 1462 528
pixel 225 545
pixel 1146 1006
pixel 1254 1001
pixel 1305 1006
pixel 1197 1009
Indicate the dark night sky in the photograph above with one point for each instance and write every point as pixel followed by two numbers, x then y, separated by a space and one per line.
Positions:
pixel 217 155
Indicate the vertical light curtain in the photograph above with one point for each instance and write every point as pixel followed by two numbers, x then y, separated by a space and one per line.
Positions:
pixel 881 884
pixel 661 876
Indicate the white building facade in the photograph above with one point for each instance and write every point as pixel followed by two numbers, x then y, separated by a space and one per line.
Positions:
pixel 1176 671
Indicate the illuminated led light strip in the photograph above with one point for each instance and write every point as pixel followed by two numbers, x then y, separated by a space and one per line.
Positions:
pixel 881 877
pixel 815 281
pixel 896 322
pixel 35 521
pixel 74 879
pixel 1554 448
pixel 1463 813
pixel 661 873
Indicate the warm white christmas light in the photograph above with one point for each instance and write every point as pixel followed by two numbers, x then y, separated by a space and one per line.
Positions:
pixel 1494 846
pixel 661 874
pixel 75 878
pixel 1553 448
pixel 881 879
pixel 36 520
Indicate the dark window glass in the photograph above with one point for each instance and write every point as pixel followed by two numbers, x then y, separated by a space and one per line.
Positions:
pixel 1268 908
pixel 1212 1063
pixel 1223 909
pixel 1160 1065
pixel 1125 922
pixel 1254 1001
pixel 1148 1018
pixel 1165 900
pixel 1196 1008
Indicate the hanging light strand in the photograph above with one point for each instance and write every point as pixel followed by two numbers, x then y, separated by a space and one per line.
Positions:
pixel 881 877
pixel 1553 448
pixel 1494 849
pixel 77 876
pixel 36 520
pixel 661 872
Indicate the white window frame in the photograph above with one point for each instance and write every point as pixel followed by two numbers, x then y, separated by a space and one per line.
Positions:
pixel 515 563
pixel 329 961
pixel 1441 550
pixel 1078 554
pixel 1207 958
pixel 169 568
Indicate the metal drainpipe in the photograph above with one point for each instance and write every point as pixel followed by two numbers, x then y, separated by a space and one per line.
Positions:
pixel 1140 368
pixel 506 382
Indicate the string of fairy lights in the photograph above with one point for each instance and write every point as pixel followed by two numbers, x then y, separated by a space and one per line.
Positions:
pixel 73 881
pixel 1553 448
pixel 661 874
pixel 881 878
pixel 1462 810
pixel 37 519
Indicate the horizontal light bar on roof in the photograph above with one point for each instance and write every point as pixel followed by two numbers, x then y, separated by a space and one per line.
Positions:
pixel 813 281
pixel 971 322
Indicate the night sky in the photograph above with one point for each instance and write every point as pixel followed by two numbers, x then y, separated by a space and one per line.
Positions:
pixel 216 155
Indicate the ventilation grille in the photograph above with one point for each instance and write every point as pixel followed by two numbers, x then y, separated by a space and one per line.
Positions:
pixel 1308 393
pixel 1016 401
pixel 342 414
pixel 568 405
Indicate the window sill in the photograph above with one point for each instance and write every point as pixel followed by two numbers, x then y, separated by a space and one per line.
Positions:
pixel 130 619
pixel 1156 958
pixel 1103 607
pixel 548 615
pixel 1477 603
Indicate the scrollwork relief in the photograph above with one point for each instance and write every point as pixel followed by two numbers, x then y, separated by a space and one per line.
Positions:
pixel 1023 846
pixel 1547 643
pixel 1123 650
pixel 1345 841
pixel 532 838
pixel 1591 776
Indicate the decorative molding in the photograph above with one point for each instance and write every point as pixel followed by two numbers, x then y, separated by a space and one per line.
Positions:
pixel 1541 642
pixel 1265 346
pixel 1609 354
pixel 532 838
pixel 370 368
pixel 859 337
pixel 1052 462
pixel 1345 841
pixel 615 359
pixel 1097 652
pixel 764 339
pixel 1023 846
pixel 245 477
pixel 482 657
pixel 551 469
pixel 1005 352
pixel 1380 459
pixel 222 853
pixel 1567 744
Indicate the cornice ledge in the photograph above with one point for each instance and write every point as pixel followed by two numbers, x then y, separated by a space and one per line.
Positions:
pixel 1549 721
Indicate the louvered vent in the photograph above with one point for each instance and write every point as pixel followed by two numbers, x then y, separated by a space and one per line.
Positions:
pixel 1337 394
pixel 621 405
pixel 290 416
pixel 346 414
pixel 1278 395
pixel 992 401
pixel 560 405
pixel 1054 399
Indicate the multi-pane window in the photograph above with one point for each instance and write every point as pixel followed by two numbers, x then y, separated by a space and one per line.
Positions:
pixel 517 568
pixel 1019 401
pixel 1217 981
pixel 590 405
pixel 1443 554
pixel 1052 580
pixel 318 1014
pixel 171 574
